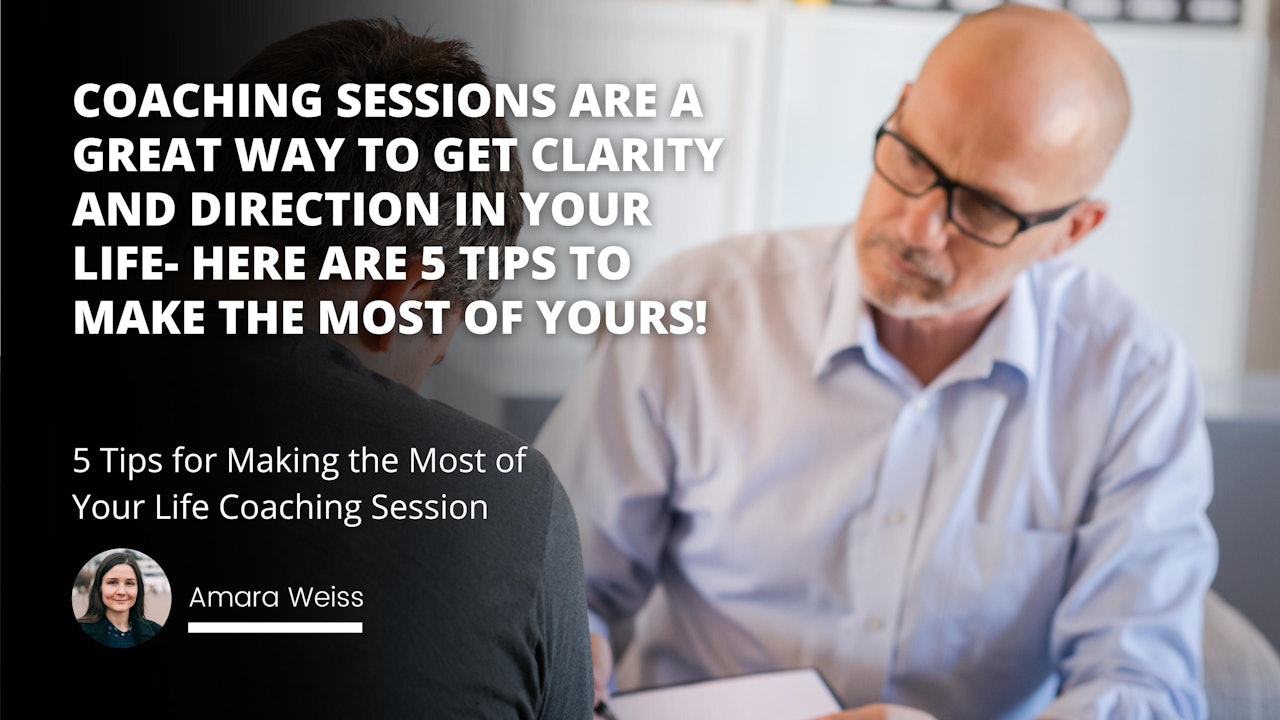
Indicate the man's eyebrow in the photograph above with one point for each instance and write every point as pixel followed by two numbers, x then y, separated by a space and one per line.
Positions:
pixel 995 195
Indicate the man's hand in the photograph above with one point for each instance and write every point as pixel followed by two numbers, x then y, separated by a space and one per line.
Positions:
pixel 880 711
pixel 601 666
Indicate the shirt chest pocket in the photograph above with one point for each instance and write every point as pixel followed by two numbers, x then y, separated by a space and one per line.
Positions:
pixel 983 603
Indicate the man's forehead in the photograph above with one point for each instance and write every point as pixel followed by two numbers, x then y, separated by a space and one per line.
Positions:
pixel 972 152
pixel 1031 139
pixel 1032 83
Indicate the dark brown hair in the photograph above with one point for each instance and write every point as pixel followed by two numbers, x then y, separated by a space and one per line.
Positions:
pixel 97 609
pixel 369 51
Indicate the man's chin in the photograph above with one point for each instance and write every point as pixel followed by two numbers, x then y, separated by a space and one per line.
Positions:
pixel 908 311
pixel 906 307
pixel 919 308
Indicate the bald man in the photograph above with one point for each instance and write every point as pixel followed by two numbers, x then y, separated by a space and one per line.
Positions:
pixel 923 452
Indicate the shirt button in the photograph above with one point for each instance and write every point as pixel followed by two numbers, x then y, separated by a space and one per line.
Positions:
pixel 920 404
pixel 875 624
pixel 897 517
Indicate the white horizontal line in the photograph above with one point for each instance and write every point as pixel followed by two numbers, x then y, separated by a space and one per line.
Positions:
pixel 275 628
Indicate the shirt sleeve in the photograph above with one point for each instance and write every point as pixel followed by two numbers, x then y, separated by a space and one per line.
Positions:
pixel 606 441
pixel 567 682
pixel 1128 633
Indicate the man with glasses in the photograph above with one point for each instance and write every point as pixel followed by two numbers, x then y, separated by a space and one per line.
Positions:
pixel 923 453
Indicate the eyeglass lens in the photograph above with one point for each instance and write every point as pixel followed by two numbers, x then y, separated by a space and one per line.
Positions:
pixel 970 210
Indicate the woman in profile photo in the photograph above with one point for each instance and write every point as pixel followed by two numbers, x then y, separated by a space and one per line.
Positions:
pixel 116 616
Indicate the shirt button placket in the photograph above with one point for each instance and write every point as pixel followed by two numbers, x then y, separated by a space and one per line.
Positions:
pixel 904 478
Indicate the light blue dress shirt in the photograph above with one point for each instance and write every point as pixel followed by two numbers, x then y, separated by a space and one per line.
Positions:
pixel 1024 537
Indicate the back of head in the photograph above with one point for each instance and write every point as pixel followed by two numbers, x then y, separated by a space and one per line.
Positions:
pixel 364 52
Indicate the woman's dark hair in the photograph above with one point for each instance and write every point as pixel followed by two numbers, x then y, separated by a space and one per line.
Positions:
pixel 97 609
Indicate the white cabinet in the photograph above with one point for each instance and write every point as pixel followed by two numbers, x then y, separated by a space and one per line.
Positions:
pixel 718 47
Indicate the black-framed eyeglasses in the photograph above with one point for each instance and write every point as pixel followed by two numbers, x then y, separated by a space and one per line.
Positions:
pixel 973 212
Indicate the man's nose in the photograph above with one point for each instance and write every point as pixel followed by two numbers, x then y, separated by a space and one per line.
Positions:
pixel 924 220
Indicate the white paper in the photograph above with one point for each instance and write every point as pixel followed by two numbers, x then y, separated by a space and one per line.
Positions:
pixel 783 695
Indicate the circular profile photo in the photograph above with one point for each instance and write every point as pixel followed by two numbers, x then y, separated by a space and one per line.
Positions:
pixel 121 598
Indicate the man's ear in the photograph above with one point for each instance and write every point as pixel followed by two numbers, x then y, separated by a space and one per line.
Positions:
pixel 1082 219
pixel 394 292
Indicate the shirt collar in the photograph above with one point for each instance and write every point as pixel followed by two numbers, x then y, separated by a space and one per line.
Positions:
pixel 847 317
pixel 1015 330
pixel 1012 337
